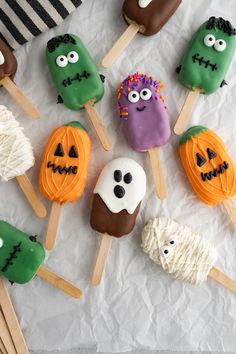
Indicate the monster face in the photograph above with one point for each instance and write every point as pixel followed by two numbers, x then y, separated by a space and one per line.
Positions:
pixel 143 112
pixel 73 71
pixel 208 56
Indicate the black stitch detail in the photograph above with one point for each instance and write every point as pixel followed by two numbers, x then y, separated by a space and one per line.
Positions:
pixel 200 60
pixel 78 77
pixel 13 255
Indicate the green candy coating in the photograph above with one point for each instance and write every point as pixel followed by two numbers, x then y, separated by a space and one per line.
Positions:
pixel 191 132
pixel 20 258
pixel 73 71
pixel 205 65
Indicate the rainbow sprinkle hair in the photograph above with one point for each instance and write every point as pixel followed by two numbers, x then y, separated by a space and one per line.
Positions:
pixel 131 83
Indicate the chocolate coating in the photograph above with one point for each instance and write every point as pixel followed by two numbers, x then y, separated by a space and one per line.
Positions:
pixel 114 224
pixel 153 17
pixel 9 67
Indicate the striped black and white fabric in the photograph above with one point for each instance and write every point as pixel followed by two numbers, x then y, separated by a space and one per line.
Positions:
pixel 21 20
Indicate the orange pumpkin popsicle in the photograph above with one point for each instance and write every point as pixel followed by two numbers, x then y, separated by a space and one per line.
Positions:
pixel 209 168
pixel 64 171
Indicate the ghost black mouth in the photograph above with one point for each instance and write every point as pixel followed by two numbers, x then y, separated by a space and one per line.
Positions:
pixel 141 109
pixel 61 170
pixel 206 63
pixel 77 77
pixel 13 255
pixel 214 173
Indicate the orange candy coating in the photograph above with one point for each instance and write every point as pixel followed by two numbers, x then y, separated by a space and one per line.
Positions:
pixel 64 169
pixel 208 166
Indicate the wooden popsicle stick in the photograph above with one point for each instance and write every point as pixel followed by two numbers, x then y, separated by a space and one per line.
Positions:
pixel 120 45
pixel 158 174
pixel 231 210
pixel 11 320
pixel 53 223
pixel 101 259
pixel 98 125
pixel 59 282
pixel 223 279
pixel 19 96
pixel 5 336
pixel 186 111
pixel 31 195
pixel 2 348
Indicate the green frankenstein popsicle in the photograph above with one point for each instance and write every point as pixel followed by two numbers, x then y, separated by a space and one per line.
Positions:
pixel 76 79
pixel 208 56
pixel 20 256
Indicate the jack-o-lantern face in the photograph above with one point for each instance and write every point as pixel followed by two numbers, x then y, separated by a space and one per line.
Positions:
pixel 209 168
pixel 64 169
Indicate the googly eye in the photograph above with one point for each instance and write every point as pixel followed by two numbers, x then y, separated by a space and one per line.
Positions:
pixel 62 61
pixel 73 57
pixel 2 59
pixel 166 251
pixel 1 242
pixel 209 40
pixel 133 96
pixel 146 94
pixel 220 45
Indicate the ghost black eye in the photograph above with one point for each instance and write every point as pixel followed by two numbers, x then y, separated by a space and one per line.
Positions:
pixel 117 176
pixel 128 178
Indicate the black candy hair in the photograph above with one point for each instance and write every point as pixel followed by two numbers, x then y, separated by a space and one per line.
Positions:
pixel 221 24
pixel 56 41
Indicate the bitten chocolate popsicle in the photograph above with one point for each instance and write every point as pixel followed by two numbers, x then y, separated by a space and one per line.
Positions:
pixel 209 168
pixel 8 67
pixel 145 120
pixel 16 157
pixel 205 64
pixel 64 171
pixel 118 193
pixel 76 79
pixel 144 16
pixel 21 259
pixel 182 252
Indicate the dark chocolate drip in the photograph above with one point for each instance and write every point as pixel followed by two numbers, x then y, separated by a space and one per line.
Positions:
pixel 61 170
pixel 77 77
pixel 56 41
pixel 221 24
pixel 200 60
pixel 13 255
pixel 209 175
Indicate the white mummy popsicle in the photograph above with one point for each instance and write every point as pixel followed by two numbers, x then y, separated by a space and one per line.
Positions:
pixel 16 157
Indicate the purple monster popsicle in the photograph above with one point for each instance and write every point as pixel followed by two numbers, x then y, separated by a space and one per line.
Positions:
pixel 145 120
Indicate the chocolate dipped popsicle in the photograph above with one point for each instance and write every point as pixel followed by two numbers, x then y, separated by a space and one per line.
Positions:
pixel 118 193
pixel 144 16
pixel 8 68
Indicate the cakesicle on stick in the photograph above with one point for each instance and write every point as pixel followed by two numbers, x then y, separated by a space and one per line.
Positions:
pixel 182 252
pixel 8 67
pixel 118 193
pixel 205 63
pixel 22 257
pixel 16 157
pixel 10 333
pixel 209 168
pixel 145 120
pixel 144 16
pixel 64 171
pixel 76 79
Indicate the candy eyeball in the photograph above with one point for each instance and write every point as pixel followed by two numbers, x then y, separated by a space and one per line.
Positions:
pixel 146 94
pixel 2 59
pixel 73 57
pixel 1 242
pixel 133 96
pixel 166 251
pixel 62 61
pixel 220 45
pixel 209 40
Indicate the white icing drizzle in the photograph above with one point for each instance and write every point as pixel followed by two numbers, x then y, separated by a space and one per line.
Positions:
pixel 144 3
pixel 134 191
pixel 190 258
pixel 16 153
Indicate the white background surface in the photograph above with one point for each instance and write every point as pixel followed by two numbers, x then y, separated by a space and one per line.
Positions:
pixel 137 306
